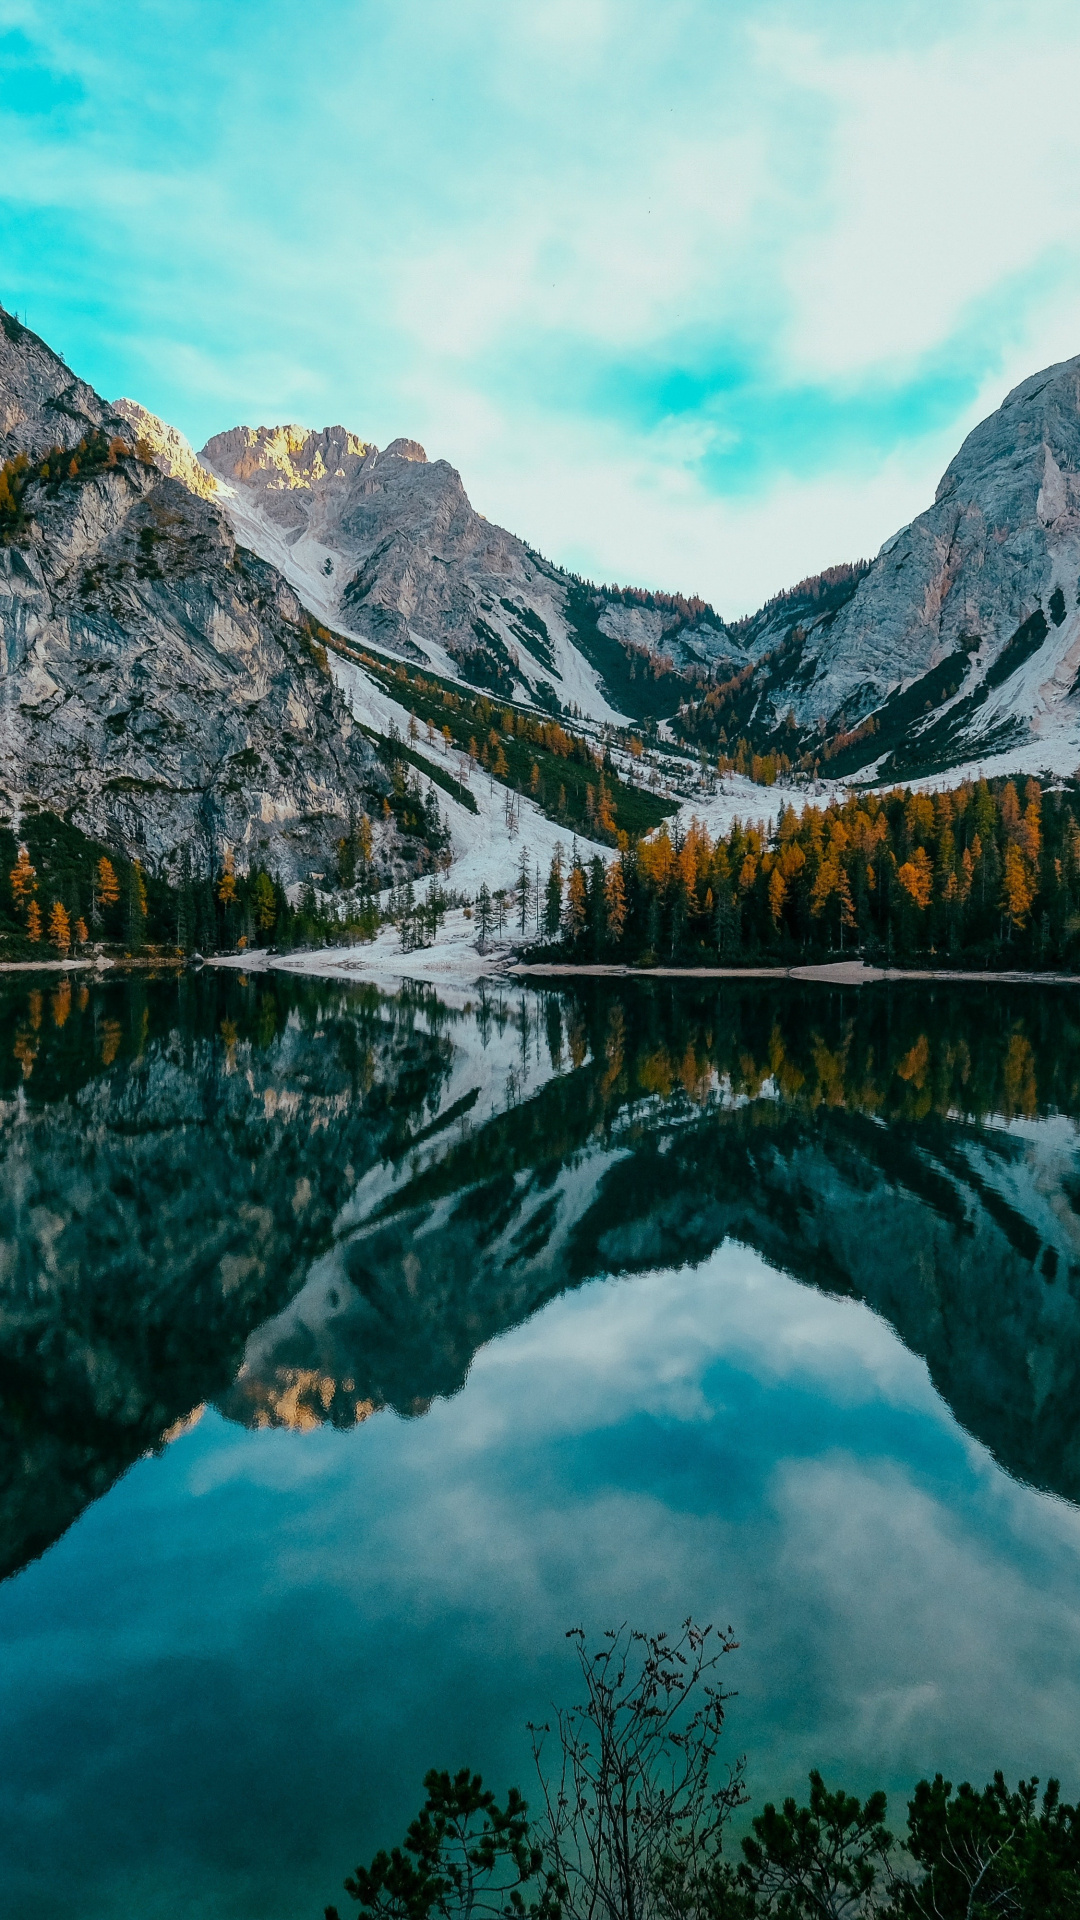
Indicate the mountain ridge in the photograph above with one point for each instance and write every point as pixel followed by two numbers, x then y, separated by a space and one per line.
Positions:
pixel 919 658
pixel 159 688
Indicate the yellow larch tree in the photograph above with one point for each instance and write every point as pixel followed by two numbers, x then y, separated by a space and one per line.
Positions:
pixel 59 927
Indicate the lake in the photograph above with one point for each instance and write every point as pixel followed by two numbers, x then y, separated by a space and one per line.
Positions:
pixel 352 1349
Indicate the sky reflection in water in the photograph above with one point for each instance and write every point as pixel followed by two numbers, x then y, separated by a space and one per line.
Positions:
pixel 222 1685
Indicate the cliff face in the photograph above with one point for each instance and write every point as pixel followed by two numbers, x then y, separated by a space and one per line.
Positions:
pixel 961 639
pixel 386 544
pixel 157 684
pixel 964 636
pixel 42 404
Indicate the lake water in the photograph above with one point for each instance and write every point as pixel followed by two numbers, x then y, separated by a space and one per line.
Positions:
pixel 352 1349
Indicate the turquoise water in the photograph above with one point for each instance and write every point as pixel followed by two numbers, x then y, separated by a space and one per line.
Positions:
pixel 352 1350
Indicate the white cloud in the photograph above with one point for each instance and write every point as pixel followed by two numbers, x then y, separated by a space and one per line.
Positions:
pixel 490 229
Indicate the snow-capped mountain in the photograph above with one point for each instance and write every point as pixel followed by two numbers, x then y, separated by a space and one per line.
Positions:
pixel 162 686
pixel 960 642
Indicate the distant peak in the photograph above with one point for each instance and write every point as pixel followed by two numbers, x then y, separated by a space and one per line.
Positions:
pixel 406 450
pixel 290 455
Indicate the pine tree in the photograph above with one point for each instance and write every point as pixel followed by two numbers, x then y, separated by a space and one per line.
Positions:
pixel 264 905
pixel 523 890
pixel 553 896
pixel 135 917
pixel 577 902
pixel 483 915
pixel 615 900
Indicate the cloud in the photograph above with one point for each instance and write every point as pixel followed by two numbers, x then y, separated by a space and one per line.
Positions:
pixel 704 297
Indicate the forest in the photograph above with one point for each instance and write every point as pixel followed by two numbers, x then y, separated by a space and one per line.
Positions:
pixel 62 893
pixel 988 872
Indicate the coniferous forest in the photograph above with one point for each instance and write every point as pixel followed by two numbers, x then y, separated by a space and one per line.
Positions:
pixel 987 873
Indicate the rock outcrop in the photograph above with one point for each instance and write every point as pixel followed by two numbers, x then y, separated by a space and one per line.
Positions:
pixel 171 453
pixel 963 638
pixel 42 404
pixel 158 685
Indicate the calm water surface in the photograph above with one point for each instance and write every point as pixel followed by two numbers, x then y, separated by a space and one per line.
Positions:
pixel 352 1349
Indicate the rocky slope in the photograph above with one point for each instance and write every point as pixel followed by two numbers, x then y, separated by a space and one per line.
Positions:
pixel 385 545
pixel 42 404
pixel 158 685
pixel 962 640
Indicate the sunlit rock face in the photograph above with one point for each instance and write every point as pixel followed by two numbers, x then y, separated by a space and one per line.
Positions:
pixel 158 685
pixel 172 454
pixel 964 636
pixel 386 545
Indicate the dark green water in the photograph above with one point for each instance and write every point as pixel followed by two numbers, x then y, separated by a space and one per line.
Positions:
pixel 352 1349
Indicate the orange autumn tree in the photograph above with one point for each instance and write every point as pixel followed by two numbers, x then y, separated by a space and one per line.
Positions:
pixel 23 880
pixel 60 926
pixel 106 883
pixel 1017 888
pixel 969 870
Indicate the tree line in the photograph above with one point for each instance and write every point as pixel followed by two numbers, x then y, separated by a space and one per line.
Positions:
pixel 62 893
pixel 567 778
pixel 635 1814
pixel 988 872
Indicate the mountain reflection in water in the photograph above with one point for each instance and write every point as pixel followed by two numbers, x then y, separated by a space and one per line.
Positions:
pixel 307 1202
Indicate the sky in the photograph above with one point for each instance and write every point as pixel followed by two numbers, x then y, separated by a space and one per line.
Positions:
pixel 701 296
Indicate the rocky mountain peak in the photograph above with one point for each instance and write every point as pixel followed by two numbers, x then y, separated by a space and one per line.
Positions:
pixel 172 453
pixel 42 404
pixel 406 450
pixel 277 459
pixel 160 686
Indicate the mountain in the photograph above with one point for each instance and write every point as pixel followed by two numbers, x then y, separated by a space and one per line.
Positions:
pixel 165 683
pixel 158 685
pixel 385 545
pixel 962 640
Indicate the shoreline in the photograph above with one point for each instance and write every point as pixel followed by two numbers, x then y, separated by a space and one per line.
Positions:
pixel 328 963
pixel 100 963
pixel 844 973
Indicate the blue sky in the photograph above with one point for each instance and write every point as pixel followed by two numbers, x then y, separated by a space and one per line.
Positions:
pixel 702 295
